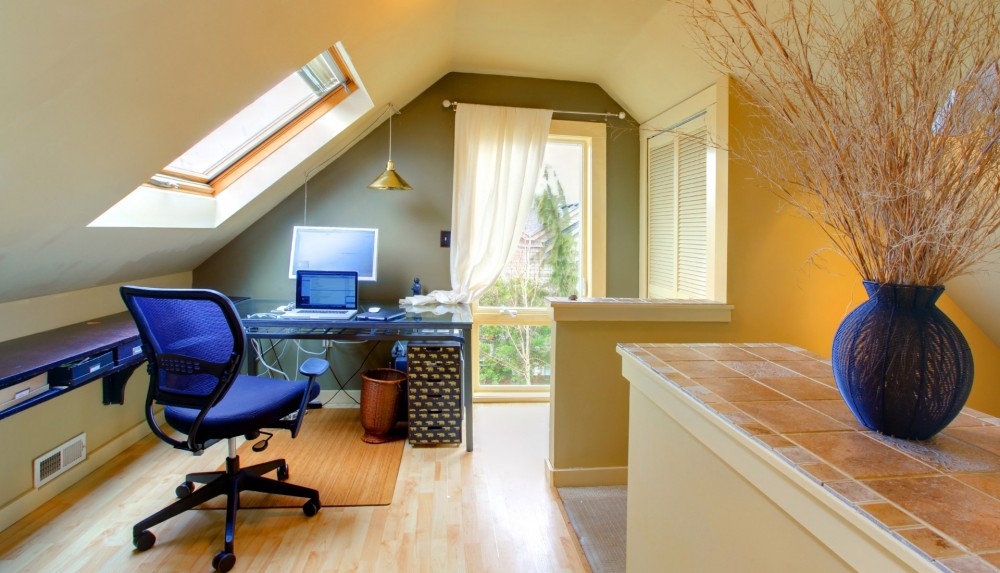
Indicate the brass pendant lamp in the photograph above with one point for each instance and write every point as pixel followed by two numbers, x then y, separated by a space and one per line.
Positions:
pixel 389 179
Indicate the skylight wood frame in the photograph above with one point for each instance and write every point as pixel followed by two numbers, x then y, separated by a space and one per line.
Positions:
pixel 190 183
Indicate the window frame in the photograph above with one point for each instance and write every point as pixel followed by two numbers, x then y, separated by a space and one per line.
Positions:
pixel 713 103
pixel 593 257
pixel 186 182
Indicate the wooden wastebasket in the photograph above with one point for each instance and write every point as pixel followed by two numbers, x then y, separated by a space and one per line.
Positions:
pixel 380 392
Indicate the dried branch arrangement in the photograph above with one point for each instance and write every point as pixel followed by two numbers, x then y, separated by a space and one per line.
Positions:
pixel 881 122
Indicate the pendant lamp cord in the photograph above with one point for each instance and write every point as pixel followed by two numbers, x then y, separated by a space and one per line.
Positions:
pixel 308 175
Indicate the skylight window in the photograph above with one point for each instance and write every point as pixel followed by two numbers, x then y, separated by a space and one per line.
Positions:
pixel 258 129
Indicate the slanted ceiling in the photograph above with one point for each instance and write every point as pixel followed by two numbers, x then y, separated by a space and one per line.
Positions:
pixel 97 96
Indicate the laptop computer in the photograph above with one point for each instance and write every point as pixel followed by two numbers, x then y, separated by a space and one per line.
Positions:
pixel 325 295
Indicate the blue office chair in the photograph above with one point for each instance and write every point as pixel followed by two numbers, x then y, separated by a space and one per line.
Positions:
pixel 195 344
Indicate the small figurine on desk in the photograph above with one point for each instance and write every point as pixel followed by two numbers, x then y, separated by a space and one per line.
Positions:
pixel 416 286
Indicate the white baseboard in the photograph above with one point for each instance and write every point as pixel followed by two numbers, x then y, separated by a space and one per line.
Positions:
pixel 585 477
pixel 31 500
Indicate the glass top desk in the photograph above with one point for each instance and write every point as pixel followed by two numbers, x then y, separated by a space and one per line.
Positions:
pixel 441 323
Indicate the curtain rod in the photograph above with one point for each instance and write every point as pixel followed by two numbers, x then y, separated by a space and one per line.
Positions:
pixel 620 115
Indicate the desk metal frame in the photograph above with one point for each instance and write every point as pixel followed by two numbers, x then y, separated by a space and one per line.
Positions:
pixel 414 327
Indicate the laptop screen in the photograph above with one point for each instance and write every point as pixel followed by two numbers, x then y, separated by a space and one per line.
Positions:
pixel 326 289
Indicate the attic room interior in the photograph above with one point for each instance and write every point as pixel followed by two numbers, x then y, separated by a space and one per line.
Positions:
pixel 720 403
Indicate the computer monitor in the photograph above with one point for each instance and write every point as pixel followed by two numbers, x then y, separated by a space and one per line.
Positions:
pixel 335 249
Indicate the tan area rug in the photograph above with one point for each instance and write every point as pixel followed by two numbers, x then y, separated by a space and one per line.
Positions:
pixel 598 517
pixel 330 457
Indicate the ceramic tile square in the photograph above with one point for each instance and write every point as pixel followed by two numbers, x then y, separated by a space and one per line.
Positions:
pixel 859 456
pixel 985 437
pixel 809 368
pixel 797 455
pixel 758 368
pixel 888 514
pixel 670 353
pixel 993 558
pixel 801 388
pixel 930 542
pixel 838 410
pixel 704 369
pixel 754 428
pixel 737 416
pixel 664 368
pixel 726 353
pixel 945 453
pixel 853 491
pixel 970 517
pixel 740 389
pixel 679 379
pixel 790 417
pixel 986 483
pixel 826 381
pixel 774 441
pixel 968 564
pixel 824 473
pixel 778 353
pixel 964 420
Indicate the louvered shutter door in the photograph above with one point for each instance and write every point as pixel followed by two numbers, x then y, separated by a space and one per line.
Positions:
pixel 692 214
pixel 661 210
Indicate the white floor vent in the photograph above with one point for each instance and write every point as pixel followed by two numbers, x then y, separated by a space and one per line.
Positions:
pixel 51 464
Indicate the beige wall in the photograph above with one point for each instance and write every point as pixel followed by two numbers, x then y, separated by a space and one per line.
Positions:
pixel 37 430
pixel 784 286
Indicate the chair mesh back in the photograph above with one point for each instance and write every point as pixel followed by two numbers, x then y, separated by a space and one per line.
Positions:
pixel 196 328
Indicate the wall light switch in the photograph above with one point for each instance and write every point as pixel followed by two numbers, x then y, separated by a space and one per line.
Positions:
pixel 446 239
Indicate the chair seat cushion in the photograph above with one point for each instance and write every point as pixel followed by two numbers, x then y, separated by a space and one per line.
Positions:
pixel 251 403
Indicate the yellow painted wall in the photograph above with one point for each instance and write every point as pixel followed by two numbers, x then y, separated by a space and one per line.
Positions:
pixel 785 285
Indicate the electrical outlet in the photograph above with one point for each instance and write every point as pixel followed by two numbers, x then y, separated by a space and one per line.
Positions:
pixel 446 239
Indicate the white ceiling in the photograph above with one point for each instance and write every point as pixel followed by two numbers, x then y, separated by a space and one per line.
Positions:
pixel 98 95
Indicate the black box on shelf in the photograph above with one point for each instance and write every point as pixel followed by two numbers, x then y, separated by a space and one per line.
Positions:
pixel 128 351
pixel 82 370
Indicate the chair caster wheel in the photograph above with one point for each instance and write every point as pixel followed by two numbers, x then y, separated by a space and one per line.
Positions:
pixel 184 490
pixel 144 540
pixel 223 561
pixel 310 508
pixel 283 472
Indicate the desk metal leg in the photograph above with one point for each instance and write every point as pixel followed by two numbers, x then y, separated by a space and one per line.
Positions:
pixel 467 390
pixel 254 358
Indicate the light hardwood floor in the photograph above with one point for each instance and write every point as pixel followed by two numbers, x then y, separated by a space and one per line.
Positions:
pixel 452 511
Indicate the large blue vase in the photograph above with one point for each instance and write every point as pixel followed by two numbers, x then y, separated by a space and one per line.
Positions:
pixel 902 365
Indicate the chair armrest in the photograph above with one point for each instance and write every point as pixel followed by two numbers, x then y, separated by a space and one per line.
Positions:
pixel 313 367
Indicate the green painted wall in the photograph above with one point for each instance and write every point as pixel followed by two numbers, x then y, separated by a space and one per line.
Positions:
pixel 256 262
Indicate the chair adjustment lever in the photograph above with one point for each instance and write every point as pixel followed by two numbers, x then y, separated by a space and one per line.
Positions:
pixel 261 445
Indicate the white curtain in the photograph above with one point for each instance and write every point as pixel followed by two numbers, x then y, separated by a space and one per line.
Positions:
pixel 498 158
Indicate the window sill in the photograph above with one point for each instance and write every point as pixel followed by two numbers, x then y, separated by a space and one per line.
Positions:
pixel 638 310
pixel 511 396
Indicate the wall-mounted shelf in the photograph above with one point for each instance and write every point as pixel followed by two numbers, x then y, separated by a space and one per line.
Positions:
pixel 39 354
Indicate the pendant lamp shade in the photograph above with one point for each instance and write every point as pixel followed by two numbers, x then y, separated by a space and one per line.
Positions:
pixel 389 179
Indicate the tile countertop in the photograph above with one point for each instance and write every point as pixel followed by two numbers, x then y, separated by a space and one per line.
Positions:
pixel 941 495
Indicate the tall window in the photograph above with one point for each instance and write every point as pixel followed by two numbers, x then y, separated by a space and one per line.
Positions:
pixel 260 128
pixel 554 257
pixel 685 200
